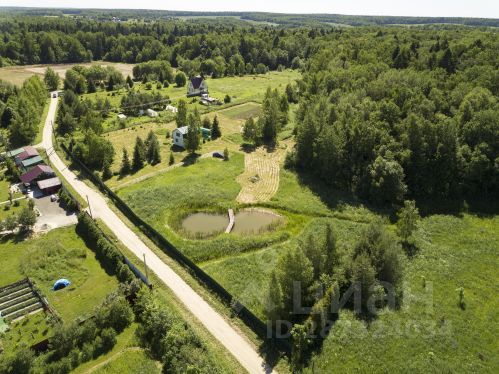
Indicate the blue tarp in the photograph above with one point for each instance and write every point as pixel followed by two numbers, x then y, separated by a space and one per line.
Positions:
pixel 60 284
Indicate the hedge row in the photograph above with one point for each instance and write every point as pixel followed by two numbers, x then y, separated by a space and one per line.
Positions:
pixel 107 253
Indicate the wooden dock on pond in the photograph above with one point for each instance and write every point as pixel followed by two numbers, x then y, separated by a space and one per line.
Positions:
pixel 231 221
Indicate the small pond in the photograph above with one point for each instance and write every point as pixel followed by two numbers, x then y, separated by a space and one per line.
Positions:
pixel 254 221
pixel 247 222
pixel 204 224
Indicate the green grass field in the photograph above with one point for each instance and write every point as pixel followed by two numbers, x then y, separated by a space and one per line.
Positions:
pixel 130 362
pixel 58 254
pixel 437 336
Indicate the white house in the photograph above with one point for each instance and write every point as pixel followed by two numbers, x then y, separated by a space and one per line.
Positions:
pixel 151 113
pixel 178 136
pixel 121 117
pixel 197 86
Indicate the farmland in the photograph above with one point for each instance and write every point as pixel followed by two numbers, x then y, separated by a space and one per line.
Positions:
pixel 18 74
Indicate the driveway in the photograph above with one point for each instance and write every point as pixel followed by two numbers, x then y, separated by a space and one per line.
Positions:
pixel 52 214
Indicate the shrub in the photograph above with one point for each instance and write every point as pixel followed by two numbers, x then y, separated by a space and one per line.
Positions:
pixel 227 99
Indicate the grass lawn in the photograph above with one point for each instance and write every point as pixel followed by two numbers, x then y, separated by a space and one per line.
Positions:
pixel 58 254
pixel 39 135
pixel 130 362
pixel 431 333
pixel 8 210
pixel 125 357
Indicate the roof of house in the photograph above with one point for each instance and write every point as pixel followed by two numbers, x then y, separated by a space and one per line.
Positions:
pixel 48 183
pixel 31 161
pixel 15 152
pixel 29 151
pixel 196 81
pixel 183 130
pixel 36 172
pixel 151 111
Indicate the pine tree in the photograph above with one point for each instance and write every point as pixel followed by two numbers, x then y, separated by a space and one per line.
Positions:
pixel 171 161
pixel 215 129
pixel 152 144
pixel 125 163
pixel 91 86
pixel 129 81
pixel 110 83
pixel 181 118
pixel 138 154
pixel 249 130
pixel 106 171
pixel 193 137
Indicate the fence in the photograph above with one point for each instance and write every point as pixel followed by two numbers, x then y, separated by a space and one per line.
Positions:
pixel 256 324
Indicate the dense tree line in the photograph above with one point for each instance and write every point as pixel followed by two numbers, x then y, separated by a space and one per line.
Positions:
pixel 216 49
pixel 394 113
pixel 21 109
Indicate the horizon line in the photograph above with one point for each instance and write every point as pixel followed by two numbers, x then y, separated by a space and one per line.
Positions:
pixel 237 11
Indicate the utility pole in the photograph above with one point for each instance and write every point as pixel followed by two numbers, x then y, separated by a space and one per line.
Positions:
pixel 89 208
pixel 145 265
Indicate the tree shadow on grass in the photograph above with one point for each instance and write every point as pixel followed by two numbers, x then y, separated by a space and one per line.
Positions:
pixel 190 159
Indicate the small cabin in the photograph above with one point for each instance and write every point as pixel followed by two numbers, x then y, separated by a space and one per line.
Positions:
pixel 179 135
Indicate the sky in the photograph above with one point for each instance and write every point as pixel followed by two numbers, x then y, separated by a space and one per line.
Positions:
pixel 430 8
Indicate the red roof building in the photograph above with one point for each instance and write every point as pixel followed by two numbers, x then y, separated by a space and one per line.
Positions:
pixel 37 172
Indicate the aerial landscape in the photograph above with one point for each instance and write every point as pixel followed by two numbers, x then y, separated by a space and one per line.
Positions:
pixel 249 188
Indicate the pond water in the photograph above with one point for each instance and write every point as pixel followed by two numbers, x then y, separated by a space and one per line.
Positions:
pixel 254 221
pixel 247 222
pixel 205 223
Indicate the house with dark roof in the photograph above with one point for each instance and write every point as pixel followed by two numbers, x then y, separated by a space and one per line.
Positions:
pixel 197 86
pixel 37 173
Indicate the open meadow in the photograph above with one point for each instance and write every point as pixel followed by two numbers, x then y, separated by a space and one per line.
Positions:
pixel 18 74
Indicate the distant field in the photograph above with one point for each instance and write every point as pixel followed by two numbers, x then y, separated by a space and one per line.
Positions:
pixel 18 74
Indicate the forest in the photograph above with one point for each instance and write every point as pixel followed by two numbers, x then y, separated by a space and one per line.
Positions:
pixel 392 114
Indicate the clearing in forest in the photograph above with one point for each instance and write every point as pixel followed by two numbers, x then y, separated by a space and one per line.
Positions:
pixel 260 179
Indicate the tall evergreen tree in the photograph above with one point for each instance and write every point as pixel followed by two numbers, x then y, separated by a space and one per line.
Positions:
pixel 138 154
pixel 215 129
pixel 193 134
pixel 153 150
pixel 125 163
pixel 181 117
